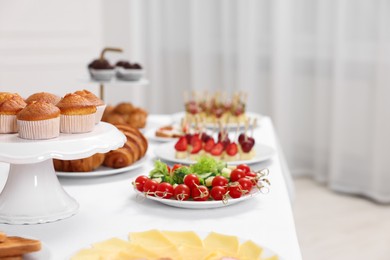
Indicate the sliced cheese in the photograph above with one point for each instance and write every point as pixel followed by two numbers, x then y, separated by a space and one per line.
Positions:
pixel 183 238
pixel 94 254
pixel 249 250
pixel 216 241
pixel 113 244
pixel 169 252
pixel 152 238
pixel 86 254
pixel 271 258
pixel 189 252
pixel 220 255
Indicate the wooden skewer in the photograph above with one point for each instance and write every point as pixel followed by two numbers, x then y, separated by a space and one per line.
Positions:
pixel 254 126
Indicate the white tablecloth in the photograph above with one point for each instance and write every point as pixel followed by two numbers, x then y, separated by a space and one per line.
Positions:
pixel 108 208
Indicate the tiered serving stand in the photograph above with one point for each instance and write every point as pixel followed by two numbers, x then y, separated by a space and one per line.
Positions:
pixel 32 193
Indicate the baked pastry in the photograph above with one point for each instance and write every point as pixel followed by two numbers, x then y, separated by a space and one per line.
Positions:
pixel 124 108
pixel 125 113
pixel 100 105
pixel 101 69
pixel 81 165
pixel 137 118
pixel 133 150
pixel 39 120
pixel 136 147
pixel 77 114
pixel 118 158
pixel 44 96
pixel 10 106
pixel 6 95
pixel 16 247
pixel 169 131
pixel 129 129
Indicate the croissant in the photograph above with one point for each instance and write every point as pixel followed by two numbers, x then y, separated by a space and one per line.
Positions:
pixel 137 118
pixel 126 129
pixel 81 165
pixel 118 158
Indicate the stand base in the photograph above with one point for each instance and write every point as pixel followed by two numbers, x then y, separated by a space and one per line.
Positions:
pixel 33 195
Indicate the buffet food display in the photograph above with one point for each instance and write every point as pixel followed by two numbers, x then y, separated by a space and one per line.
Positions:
pixel 208 183
pixel 185 245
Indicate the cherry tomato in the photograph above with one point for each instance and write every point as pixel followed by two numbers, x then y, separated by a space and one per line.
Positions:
pixel 218 192
pixel 176 166
pixel 245 168
pixel 251 174
pixel 200 193
pixel 246 185
pixel 164 190
pixel 236 174
pixel 182 192
pixel 235 190
pixel 219 181
pixel 191 180
pixel 150 187
pixel 140 182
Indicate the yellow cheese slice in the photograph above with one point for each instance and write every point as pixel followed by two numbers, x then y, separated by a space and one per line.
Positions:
pixel 271 258
pixel 113 244
pixel 169 252
pixel 189 252
pixel 94 254
pixel 86 254
pixel 249 250
pixel 183 238
pixel 216 241
pixel 151 239
pixel 218 255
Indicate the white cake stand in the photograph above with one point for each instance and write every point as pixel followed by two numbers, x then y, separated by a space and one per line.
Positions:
pixel 32 193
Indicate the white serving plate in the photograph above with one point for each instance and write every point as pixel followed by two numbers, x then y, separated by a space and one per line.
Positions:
pixel 104 171
pixel 190 204
pixel 167 152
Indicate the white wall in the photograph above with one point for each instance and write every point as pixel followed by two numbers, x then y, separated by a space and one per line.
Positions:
pixel 121 22
pixel 45 45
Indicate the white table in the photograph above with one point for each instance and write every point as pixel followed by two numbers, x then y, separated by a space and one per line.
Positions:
pixel 108 208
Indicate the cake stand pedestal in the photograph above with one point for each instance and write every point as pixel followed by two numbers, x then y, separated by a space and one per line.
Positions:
pixel 32 193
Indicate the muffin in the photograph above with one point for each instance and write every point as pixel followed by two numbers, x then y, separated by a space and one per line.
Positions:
pixel 100 106
pixel 10 106
pixel 39 120
pixel 101 70
pixel 77 114
pixel 44 96
pixel 6 95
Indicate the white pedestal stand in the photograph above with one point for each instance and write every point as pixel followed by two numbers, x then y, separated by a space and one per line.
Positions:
pixel 32 193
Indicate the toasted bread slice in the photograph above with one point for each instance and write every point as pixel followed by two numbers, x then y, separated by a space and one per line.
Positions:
pixel 16 246
pixel 17 257
pixel 3 236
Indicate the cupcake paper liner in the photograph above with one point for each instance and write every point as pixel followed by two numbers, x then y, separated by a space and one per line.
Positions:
pixel 40 129
pixel 8 124
pixel 99 113
pixel 73 124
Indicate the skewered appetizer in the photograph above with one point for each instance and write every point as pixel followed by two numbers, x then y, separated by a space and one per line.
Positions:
pixel 222 148
pixel 217 107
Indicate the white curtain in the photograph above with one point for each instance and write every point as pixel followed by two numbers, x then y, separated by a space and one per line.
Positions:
pixel 319 68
